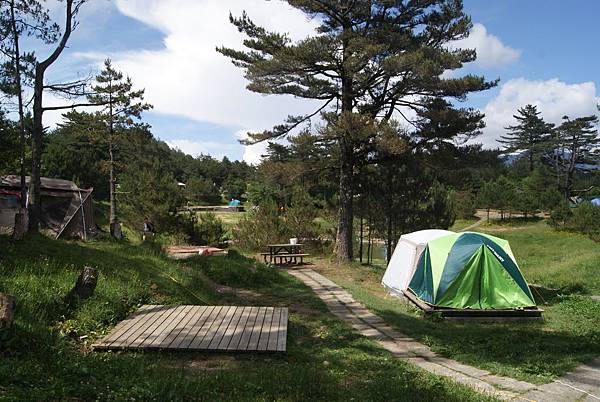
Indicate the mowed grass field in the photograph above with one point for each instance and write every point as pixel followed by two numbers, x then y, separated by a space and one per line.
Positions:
pixel 47 354
pixel 567 261
pixel 537 352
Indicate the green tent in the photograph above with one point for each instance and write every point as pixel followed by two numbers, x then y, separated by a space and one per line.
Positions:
pixel 470 271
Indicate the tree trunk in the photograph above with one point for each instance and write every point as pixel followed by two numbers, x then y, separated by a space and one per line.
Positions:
pixel 36 151
pixel 361 239
pixel 19 89
pixel 369 247
pixel 7 310
pixel 343 243
pixel 38 125
pixel 113 201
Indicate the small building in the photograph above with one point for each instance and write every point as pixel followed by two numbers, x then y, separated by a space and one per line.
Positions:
pixel 66 209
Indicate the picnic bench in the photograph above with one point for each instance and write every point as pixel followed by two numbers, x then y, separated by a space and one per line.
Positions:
pixel 284 254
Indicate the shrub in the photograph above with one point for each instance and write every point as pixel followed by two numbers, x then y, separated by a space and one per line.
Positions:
pixel 300 216
pixel 261 226
pixel 210 230
pixel 205 229
pixel 585 219
pixel 464 204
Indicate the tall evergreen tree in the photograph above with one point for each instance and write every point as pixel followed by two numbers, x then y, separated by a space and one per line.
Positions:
pixel 122 105
pixel 576 142
pixel 371 57
pixel 530 134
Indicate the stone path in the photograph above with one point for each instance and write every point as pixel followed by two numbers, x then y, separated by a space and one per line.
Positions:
pixel 579 385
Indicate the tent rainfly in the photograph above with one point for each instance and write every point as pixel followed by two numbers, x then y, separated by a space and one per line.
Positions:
pixel 66 208
pixel 467 271
pixel 406 255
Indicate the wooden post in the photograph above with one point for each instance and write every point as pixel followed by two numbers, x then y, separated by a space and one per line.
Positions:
pixel 7 310
pixel 86 283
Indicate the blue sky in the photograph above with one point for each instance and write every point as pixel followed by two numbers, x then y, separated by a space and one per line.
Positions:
pixel 544 52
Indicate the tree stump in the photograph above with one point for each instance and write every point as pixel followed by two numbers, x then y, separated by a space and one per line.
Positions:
pixel 7 310
pixel 86 283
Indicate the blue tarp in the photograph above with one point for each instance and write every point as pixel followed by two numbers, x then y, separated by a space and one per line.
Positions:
pixel 235 203
pixel 596 202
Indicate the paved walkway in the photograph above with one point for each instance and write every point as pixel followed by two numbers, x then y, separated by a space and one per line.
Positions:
pixel 578 385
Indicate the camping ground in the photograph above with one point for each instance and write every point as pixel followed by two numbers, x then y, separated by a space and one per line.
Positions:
pixel 325 359
pixel 46 355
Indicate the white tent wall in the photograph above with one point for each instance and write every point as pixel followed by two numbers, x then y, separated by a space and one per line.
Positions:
pixel 405 258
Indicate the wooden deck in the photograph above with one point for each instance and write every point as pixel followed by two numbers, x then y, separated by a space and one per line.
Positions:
pixel 201 328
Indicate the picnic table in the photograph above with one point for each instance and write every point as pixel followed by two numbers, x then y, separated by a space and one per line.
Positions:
pixel 285 253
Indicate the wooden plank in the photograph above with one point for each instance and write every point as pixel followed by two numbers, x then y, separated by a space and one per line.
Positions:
pixel 174 335
pixel 202 328
pixel 206 326
pixel 266 328
pixel 157 339
pixel 255 336
pixel 124 325
pixel 239 312
pixel 282 333
pixel 152 328
pixel 239 329
pixel 219 330
pixel 272 342
pixel 245 338
pixel 187 336
pixel 138 328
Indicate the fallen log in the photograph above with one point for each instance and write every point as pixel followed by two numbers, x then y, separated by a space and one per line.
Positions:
pixel 7 310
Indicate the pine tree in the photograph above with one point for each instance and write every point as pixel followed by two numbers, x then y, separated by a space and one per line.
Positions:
pixel 531 134
pixel 576 142
pixel 369 57
pixel 121 106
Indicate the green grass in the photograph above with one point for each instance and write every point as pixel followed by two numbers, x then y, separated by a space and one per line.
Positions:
pixel 461 224
pixel 537 352
pixel 568 261
pixel 46 355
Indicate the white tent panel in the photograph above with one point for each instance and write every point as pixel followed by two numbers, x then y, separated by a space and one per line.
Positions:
pixel 404 260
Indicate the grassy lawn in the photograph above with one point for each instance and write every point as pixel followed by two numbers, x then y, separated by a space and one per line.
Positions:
pixel 46 355
pixel 535 352
pixel 568 261
pixel 461 224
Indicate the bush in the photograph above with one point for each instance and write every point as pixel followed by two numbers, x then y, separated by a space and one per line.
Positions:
pixel 261 226
pixel 205 229
pixel 268 224
pixel 583 219
pixel 464 204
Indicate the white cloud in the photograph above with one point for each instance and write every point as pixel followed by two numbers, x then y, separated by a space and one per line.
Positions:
pixel 553 98
pixel 491 52
pixel 195 148
pixel 252 153
pixel 189 78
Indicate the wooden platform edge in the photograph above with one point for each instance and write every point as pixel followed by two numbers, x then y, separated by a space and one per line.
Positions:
pixel 528 313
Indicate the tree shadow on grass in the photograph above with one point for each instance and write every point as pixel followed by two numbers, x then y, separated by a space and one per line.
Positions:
pixel 529 351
